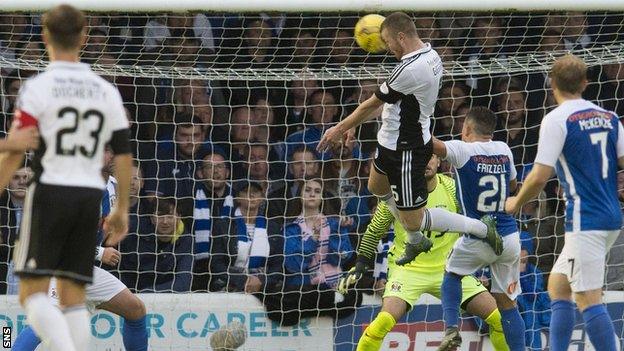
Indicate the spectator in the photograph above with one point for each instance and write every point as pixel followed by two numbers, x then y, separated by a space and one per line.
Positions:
pixel 572 27
pixel 341 47
pixel 282 201
pixel 258 169
pixel 11 204
pixel 366 133
pixel 159 29
pixel 453 94
pixel 240 137
pixel 171 170
pixel 615 258
pixel 263 121
pixel 342 173
pixel 533 303
pixel 257 47
pixel 514 124
pixel 611 93
pixel 316 246
pixel 458 120
pixel 163 260
pixel 297 99
pixel 322 112
pixel 11 86
pixel 246 252
pixel 96 45
pixel 213 200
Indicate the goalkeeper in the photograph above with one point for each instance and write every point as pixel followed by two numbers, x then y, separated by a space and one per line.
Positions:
pixel 422 275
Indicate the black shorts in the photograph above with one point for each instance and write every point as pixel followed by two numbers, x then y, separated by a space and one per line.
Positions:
pixel 58 232
pixel 405 170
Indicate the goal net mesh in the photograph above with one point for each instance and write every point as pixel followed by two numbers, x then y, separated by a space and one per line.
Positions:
pixel 226 111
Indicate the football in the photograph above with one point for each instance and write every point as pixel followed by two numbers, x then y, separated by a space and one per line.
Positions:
pixel 368 33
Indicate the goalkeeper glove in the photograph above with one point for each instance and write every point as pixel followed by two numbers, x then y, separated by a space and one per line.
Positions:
pixel 352 277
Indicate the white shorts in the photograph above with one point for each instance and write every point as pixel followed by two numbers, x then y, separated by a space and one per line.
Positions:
pixel 470 254
pixel 583 258
pixel 105 286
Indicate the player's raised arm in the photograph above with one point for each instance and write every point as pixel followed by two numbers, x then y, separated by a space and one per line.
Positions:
pixel 360 115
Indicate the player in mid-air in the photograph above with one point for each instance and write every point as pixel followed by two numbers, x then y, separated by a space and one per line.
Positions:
pixel 485 176
pixel 404 146
pixel 407 283
pixel 584 144
pixel 107 292
pixel 76 113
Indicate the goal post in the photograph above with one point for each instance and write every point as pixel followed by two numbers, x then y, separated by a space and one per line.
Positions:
pixel 254 82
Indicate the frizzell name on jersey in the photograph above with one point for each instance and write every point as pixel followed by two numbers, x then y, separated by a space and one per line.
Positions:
pixel 491 164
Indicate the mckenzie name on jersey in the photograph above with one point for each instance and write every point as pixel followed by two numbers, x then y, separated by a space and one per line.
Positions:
pixel 583 143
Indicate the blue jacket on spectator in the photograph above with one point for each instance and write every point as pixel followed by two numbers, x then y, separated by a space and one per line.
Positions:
pixel 299 253
pixel 157 266
pixel 166 173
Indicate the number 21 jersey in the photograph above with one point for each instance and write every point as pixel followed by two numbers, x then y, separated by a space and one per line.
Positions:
pixel 484 171
pixel 77 113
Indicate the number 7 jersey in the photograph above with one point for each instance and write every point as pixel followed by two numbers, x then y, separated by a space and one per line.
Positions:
pixel 77 113
pixel 484 171
pixel 583 143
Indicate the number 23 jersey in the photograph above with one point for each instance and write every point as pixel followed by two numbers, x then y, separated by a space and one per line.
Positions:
pixel 484 171
pixel 77 113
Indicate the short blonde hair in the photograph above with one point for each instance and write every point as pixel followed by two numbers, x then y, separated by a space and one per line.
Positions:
pixel 569 74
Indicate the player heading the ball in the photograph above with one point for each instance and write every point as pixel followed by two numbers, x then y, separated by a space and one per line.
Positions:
pixel 404 143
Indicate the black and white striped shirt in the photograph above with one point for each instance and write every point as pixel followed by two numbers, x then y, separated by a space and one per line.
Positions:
pixel 410 95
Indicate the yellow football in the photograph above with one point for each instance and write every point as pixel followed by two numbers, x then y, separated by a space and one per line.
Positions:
pixel 368 33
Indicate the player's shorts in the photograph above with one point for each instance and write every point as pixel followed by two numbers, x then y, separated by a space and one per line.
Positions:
pixel 583 258
pixel 105 286
pixel 471 254
pixel 58 232
pixel 409 285
pixel 405 170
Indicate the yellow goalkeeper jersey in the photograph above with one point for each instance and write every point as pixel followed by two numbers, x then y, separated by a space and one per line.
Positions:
pixel 442 197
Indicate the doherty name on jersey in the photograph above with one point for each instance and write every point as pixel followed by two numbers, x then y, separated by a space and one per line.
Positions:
pixel 77 88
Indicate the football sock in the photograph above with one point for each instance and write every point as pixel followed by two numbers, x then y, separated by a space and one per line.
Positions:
pixel 513 327
pixel 375 332
pixel 441 220
pixel 451 298
pixel 79 325
pixel 561 324
pixel 27 340
pixel 497 337
pixel 49 323
pixel 599 328
pixel 135 334
pixel 389 200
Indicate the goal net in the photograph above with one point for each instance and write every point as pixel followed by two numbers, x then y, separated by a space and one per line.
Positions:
pixel 226 111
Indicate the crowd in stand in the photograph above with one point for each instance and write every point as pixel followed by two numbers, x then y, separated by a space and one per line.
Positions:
pixel 229 192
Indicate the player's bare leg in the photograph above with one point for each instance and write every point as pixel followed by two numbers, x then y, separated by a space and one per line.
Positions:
pixel 132 309
pixel 45 318
pixel 72 300
pixel 416 243
pixel 125 304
